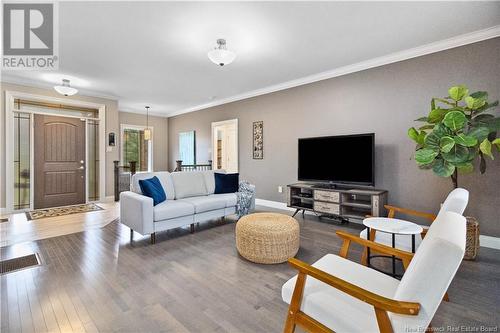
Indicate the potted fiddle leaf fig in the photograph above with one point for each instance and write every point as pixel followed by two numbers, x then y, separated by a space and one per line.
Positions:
pixel 458 131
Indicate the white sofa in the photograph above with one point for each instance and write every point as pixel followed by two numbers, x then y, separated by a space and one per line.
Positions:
pixel 190 199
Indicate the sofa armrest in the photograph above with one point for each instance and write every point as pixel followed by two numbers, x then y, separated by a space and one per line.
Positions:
pixel 136 212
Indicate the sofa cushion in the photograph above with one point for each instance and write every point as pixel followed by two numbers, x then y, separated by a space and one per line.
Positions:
pixel 226 183
pixel 209 179
pixel 188 184
pixel 163 176
pixel 152 188
pixel 205 203
pixel 230 198
pixel 171 209
pixel 336 309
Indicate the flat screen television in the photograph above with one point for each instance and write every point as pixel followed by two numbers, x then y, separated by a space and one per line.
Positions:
pixel 343 159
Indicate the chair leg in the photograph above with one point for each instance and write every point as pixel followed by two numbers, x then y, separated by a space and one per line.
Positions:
pixel 295 303
pixel 153 238
pixel 364 255
pixel 192 227
pixel 446 297
pixel 131 234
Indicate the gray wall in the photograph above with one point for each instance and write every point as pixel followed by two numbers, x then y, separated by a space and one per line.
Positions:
pixel 160 136
pixel 111 126
pixel 384 100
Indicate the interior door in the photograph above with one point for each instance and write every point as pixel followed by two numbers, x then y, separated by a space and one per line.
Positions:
pixel 59 161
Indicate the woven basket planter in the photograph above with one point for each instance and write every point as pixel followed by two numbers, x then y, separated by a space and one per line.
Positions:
pixel 472 243
pixel 267 238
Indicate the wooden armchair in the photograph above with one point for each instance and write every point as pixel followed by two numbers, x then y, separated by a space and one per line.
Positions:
pixel 337 294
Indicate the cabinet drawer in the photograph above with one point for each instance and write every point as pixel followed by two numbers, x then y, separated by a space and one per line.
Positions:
pixel 326 207
pixel 327 196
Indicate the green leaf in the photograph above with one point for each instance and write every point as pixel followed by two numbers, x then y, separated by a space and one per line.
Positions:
pixel 432 141
pixel 496 142
pixel 441 130
pixel 413 134
pixel 436 115
pixel 486 106
pixel 425 156
pixel 480 133
pixel 442 168
pixel 480 95
pixel 467 167
pixel 446 143
pixel 422 119
pixel 458 92
pixel 485 148
pixel 426 127
pixel 457 154
pixel 421 138
pixel 455 120
pixel 465 140
pixel 474 103
pixel 433 104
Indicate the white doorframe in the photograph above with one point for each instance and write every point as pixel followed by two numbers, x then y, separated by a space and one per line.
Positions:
pixel 214 144
pixel 150 144
pixel 10 97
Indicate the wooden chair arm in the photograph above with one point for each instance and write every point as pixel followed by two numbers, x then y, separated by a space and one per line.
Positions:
pixel 378 301
pixel 381 248
pixel 393 209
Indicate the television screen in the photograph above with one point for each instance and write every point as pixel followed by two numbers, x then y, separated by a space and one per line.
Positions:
pixel 338 159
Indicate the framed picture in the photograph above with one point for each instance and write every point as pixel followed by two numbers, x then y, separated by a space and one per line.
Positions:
pixel 258 140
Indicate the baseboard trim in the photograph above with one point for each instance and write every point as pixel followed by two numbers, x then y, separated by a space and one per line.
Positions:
pixel 489 242
pixel 484 241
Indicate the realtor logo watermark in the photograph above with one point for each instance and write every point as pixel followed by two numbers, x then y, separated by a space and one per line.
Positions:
pixel 30 36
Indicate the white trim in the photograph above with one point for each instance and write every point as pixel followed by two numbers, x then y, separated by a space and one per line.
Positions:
pixel 214 150
pixel 484 241
pixel 10 96
pixel 418 51
pixel 109 198
pixel 490 242
pixel 150 144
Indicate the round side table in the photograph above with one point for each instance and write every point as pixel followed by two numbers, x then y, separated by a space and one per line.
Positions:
pixel 394 227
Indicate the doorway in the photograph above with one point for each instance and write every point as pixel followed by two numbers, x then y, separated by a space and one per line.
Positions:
pixel 225 145
pixel 59 161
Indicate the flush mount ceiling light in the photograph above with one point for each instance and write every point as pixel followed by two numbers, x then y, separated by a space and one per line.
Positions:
pixel 65 88
pixel 220 55
pixel 147 130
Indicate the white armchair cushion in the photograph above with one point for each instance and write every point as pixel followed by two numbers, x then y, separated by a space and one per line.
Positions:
pixel 403 242
pixel 171 209
pixel 188 184
pixel 205 203
pixel 336 309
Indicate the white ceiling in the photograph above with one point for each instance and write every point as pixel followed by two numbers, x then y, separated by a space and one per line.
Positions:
pixel 155 53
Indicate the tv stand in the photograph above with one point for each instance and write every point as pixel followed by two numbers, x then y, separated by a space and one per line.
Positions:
pixel 340 202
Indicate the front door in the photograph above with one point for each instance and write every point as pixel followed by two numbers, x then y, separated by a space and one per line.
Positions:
pixel 59 161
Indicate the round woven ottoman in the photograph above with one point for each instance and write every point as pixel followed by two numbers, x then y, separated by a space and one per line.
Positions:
pixel 267 238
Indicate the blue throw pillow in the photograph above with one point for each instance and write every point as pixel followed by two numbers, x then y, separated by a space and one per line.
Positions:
pixel 226 183
pixel 152 188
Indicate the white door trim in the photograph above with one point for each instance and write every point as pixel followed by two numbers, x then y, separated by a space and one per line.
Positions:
pixel 10 96
pixel 214 146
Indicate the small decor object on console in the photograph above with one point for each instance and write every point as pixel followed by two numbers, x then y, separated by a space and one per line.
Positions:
pixel 258 140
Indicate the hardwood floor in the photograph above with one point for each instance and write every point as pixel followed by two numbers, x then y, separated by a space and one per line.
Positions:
pixel 19 229
pixel 96 280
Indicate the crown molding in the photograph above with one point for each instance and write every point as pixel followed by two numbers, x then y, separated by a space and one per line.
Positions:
pixel 418 51
pixel 46 85
pixel 143 113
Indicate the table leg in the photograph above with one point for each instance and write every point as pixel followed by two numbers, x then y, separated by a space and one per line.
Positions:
pixel 367 248
pixel 413 243
pixel 393 257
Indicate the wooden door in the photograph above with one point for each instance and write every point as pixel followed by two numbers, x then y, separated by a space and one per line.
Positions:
pixel 59 161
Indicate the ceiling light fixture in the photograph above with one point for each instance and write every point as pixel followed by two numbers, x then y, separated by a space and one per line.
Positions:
pixel 220 55
pixel 147 130
pixel 65 88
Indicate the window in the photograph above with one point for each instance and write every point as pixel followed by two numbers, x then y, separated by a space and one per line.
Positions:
pixel 187 150
pixel 135 148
